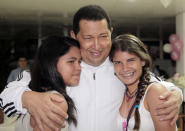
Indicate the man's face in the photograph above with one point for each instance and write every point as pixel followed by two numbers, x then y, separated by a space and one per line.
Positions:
pixel 95 41
pixel 22 62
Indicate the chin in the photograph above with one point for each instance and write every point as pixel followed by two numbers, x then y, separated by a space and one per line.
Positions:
pixel 75 83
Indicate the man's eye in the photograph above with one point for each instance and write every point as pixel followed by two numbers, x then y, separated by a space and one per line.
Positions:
pixel 87 38
pixel 71 61
pixel 104 36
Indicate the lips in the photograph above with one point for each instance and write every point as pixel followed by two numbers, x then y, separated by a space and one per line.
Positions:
pixel 76 75
pixel 127 75
pixel 95 53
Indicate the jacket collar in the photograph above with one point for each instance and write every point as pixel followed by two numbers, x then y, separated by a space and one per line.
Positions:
pixel 105 63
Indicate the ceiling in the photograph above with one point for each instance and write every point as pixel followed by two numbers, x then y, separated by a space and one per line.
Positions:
pixel 62 11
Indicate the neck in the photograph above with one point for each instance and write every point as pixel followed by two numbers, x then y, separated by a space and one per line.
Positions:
pixel 132 90
pixel 133 87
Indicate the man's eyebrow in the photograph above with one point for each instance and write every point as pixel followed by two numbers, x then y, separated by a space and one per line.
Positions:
pixel 106 33
pixel 87 35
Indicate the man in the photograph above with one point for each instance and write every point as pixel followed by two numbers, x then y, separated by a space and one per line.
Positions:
pixel 22 65
pixel 99 93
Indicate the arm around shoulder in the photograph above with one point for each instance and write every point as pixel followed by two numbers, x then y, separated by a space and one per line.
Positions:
pixel 152 100
pixel 177 92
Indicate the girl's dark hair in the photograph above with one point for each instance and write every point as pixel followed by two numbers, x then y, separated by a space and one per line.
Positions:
pixel 44 74
pixel 133 45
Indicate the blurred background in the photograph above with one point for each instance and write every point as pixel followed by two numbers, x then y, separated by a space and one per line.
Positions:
pixel 23 23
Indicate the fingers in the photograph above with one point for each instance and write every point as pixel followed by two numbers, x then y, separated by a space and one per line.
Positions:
pixel 56 109
pixel 47 126
pixel 39 124
pixel 59 105
pixel 55 120
pixel 166 104
pixel 169 116
pixel 173 121
pixel 32 122
pixel 57 98
pixel 45 112
pixel 165 95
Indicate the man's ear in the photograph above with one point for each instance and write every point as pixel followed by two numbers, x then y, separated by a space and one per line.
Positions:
pixel 72 34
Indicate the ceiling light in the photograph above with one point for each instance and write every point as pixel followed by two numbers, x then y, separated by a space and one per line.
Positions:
pixel 166 3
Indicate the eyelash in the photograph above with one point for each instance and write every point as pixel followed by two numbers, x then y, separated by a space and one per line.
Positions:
pixel 116 62
pixel 131 60
pixel 71 61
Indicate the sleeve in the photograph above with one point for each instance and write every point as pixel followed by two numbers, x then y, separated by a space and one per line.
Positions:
pixel 168 85
pixel 10 97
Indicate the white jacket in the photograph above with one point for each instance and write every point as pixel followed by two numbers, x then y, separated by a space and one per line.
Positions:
pixel 97 97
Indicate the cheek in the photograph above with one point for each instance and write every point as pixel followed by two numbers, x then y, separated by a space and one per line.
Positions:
pixel 66 75
pixel 85 45
pixel 63 71
pixel 116 69
pixel 140 69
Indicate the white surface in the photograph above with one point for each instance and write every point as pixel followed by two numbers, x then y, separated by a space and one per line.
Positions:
pixel 8 124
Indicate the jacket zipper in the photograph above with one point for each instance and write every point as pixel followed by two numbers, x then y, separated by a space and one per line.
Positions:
pixel 94 76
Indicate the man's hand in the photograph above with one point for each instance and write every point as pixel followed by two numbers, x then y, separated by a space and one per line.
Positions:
pixel 169 108
pixel 44 111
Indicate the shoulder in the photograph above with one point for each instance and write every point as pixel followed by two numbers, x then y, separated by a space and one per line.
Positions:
pixel 155 90
pixel 156 87
pixel 14 71
pixel 63 104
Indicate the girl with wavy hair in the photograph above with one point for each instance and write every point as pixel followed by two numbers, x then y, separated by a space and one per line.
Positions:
pixel 132 64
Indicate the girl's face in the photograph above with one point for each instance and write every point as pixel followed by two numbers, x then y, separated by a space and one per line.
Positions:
pixel 128 67
pixel 69 66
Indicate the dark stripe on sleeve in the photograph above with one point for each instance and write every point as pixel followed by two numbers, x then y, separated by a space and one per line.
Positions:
pixel 20 76
pixel 12 113
pixel 9 104
pixel 9 109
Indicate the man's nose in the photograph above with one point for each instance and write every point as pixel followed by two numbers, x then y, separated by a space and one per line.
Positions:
pixel 96 44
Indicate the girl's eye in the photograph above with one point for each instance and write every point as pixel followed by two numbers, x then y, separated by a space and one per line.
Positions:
pixel 79 61
pixel 130 60
pixel 116 62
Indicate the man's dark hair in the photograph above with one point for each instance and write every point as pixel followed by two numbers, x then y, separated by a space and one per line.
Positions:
pixel 90 12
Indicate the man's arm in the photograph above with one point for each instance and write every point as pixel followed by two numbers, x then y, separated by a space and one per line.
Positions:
pixel 42 107
pixel 10 97
pixel 152 100
pixel 173 100
pixel 17 98
pixel 169 110
pixel 62 105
